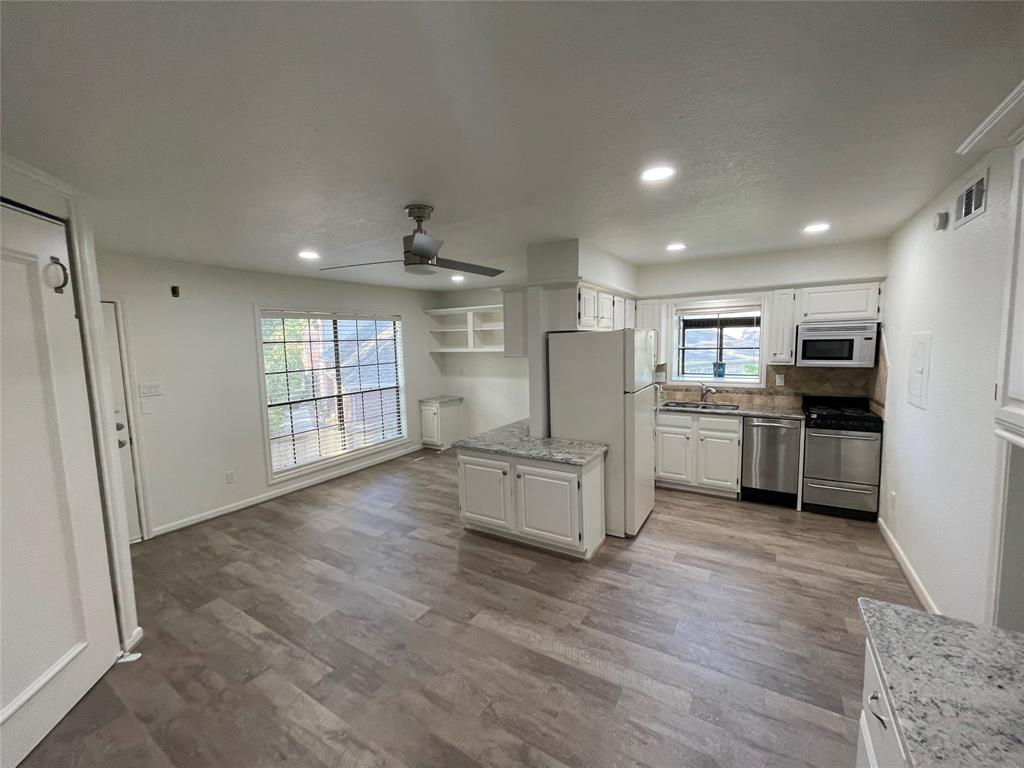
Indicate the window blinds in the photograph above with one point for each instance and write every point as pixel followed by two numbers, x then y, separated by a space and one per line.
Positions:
pixel 333 384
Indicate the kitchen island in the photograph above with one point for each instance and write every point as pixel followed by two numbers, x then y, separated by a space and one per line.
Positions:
pixel 545 492
pixel 939 692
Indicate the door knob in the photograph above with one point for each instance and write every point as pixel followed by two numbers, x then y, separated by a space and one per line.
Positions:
pixel 121 443
pixel 119 426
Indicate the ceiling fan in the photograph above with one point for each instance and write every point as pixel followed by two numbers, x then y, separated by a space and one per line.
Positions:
pixel 421 249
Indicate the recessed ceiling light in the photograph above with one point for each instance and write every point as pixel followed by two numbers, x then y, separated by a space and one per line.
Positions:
pixel 675 247
pixel 309 255
pixel 820 226
pixel 658 173
pixel 457 278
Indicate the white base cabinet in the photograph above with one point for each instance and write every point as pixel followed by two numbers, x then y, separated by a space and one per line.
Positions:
pixel 549 505
pixel 700 451
pixel 878 745
pixel 440 421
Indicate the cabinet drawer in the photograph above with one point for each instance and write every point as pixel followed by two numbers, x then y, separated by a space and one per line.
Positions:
pixel 877 719
pixel 678 420
pixel 728 424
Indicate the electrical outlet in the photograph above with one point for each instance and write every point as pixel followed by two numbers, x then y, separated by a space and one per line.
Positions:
pixel 780 380
pixel 229 476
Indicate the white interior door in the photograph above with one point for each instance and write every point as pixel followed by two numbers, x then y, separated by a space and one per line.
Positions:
pixel 59 631
pixel 119 382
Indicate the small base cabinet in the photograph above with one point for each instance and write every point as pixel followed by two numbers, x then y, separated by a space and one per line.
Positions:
pixel 440 421
pixel 554 506
pixel 699 452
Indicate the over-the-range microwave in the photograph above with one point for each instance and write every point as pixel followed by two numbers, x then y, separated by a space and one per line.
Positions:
pixel 837 345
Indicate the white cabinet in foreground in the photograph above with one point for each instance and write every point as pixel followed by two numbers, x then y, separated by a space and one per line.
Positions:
pixel 554 506
pixel 702 452
pixel 878 746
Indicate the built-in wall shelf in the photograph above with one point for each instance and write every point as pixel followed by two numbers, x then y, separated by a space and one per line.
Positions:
pixel 467 329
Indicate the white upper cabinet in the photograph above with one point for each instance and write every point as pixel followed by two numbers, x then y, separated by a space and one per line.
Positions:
pixel 618 313
pixel 587 310
pixel 630 313
pixel 605 310
pixel 782 327
pixel 854 301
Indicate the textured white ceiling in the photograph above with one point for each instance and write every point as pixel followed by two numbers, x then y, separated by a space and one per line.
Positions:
pixel 237 134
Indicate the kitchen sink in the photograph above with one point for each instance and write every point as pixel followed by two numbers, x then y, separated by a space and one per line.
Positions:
pixel 701 406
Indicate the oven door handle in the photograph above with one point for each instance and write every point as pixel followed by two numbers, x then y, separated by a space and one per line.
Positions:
pixel 836 488
pixel 842 437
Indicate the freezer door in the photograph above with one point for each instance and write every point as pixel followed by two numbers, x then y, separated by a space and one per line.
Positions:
pixel 640 410
pixel 641 348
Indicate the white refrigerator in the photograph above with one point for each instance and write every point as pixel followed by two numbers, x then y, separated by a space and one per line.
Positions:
pixel 601 389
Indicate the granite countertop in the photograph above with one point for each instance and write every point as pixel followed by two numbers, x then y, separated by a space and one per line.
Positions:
pixel 441 399
pixel 956 689
pixel 765 411
pixel 514 440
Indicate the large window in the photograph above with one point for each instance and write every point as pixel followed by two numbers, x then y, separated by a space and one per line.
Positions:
pixel 332 383
pixel 722 344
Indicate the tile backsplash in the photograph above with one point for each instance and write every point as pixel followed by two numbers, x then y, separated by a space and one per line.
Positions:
pixel 837 382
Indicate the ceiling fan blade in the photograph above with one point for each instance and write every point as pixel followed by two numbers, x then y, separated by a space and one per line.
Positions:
pixel 463 266
pixel 362 264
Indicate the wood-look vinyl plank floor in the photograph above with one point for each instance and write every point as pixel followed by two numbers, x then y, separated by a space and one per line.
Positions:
pixel 355 623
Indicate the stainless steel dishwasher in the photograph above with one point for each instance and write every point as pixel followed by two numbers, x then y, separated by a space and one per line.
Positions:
pixel 771 460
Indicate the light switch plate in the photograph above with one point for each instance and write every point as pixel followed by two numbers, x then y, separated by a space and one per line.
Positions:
pixel 780 380
pixel 920 369
pixel 151 389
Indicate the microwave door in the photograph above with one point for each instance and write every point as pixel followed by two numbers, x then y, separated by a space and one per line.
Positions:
pixel 825 351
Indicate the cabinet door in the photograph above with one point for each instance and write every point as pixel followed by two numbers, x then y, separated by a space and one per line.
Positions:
pixel 548 505
pixel 485 492
pixel 430 423
pixel 856 301
pixel 605 310
pixel 630 313
pixel 618 313
pixel 718 460
pixel 783 327
pixel 674 454
pixel 587 307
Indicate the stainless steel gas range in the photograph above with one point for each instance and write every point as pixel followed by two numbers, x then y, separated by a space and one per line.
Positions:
pixel 842 457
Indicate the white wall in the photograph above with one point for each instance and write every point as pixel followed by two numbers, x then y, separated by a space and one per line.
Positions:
pixel 602 267
pixel 202 348
pixel 496 388
pixel 850 262
pixel 941 461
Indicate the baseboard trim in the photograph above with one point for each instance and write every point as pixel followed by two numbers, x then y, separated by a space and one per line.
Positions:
pixel 346 469
pixel 908 570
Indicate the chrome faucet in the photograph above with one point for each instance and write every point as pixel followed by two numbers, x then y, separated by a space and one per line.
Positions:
pixel 705 390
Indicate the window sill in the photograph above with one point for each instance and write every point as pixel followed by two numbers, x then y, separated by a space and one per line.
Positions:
pixel 724 383
pixel 336 461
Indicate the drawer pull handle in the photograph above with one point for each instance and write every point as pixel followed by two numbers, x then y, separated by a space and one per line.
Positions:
pixel 835 488
pixel 871 701
pixel 843 437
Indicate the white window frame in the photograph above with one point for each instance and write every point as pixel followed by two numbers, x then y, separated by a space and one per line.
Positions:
pixel 344 458
pixel 715 304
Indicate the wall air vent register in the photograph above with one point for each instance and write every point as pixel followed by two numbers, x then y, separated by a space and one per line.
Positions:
pixel 971 202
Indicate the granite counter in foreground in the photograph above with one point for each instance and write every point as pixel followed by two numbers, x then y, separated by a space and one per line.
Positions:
pixel 956 688
pixel 514 440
